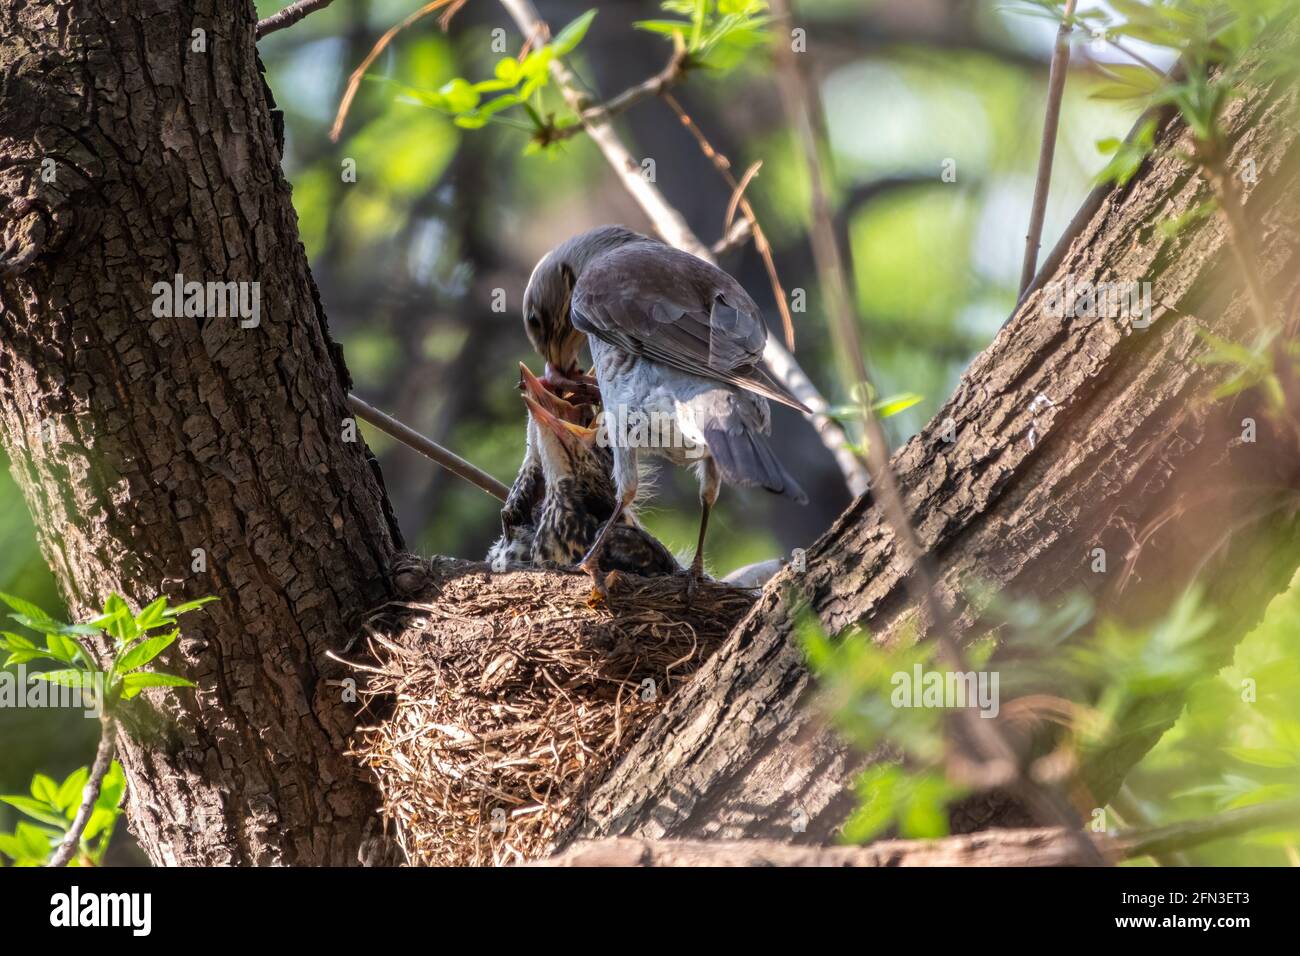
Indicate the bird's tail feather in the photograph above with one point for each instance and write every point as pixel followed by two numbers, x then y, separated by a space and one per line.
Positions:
pixel 745 458
pixel 763 381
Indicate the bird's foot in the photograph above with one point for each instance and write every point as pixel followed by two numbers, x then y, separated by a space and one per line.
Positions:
pixel 691 578
pixel 599 586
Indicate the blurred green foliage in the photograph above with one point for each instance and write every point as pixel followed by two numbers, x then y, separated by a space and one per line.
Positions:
pixel 53 806
pixel 1237 743
pixel 1236 740
pixel 439 214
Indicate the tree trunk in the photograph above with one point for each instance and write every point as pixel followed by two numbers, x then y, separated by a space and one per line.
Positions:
pixel 1124 451
pixel 194 455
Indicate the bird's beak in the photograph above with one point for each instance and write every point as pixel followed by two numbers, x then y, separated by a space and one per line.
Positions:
pixel 549 409
pixel 565 431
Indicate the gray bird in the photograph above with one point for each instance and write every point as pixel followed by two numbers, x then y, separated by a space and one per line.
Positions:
pixel 674 340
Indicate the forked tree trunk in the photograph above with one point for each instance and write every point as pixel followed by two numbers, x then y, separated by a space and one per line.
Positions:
pixel 188 455
pixel 1070 435
pixel 139 440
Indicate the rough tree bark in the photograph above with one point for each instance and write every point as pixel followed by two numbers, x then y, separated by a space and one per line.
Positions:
pixel 134 145
pixel 1125 451
pixel 139 439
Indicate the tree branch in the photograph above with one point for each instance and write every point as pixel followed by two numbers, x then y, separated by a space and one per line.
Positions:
pixel 430 449
pixel 89 794
pixel 656 85
pixel 1047 152
pixel 1051 846
pixel 289 16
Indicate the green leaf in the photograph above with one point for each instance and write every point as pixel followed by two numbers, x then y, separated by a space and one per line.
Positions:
pixel 572 35
pixel 493 86
pixel 22 657
pixel 35 809
pixel 460 95
pixel 133 683
pixel 26 608
pixel 1116 91
pixel 44 789
pixel 145 651
pixel 119 621
pixel 507 70
pixel 100 819
pixel 668 28
pixel 36 623
pixel 62 648
pixel 1137 77
pixel 36 842
pixel 12 847
pixel 1272 757
pixel 69 795
pixel 188 606
pixel 67 678
pixel 16 642
pixel 80 630
pixel 153 615
pixel 1265 794
pixel 114 785
pixel 888 407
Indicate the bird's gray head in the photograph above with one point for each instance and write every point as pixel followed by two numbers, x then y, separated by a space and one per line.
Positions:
pixel 550 289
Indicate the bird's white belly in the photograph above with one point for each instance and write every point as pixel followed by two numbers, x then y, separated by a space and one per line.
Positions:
pixel 648 406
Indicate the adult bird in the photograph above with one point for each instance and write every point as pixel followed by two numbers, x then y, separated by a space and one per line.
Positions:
pixel 673 340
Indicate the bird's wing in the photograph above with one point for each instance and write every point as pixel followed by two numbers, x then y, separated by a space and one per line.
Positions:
pixel 652 300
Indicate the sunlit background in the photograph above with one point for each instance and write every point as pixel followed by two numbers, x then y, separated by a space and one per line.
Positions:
pixel 408 256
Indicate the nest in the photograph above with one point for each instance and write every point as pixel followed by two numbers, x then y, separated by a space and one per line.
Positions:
pixel 506 697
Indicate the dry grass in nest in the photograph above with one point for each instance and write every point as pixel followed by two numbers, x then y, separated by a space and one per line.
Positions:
pixel 507 696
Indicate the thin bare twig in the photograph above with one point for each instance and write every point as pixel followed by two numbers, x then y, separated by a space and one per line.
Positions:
pixel 723 166
pixel 735 237
pixel 800 111
pixel 1133 55
pixel 354 81
pixel 1240 240
pixel 1159 115
pixel 656 85
pixel 1047 152
pixel 667 221
pixel 1131 814
pixel 107 748
pixel 412 439
pixel 739 194
pixel 289 16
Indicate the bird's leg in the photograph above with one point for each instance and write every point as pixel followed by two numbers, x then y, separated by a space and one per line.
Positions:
pixel 710 484
pixel 625 481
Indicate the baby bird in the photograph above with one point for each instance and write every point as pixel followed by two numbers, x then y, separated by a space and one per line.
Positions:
pixel 673 339
pixel 569 497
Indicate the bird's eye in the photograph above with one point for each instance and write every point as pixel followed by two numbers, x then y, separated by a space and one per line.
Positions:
pixel 533 321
